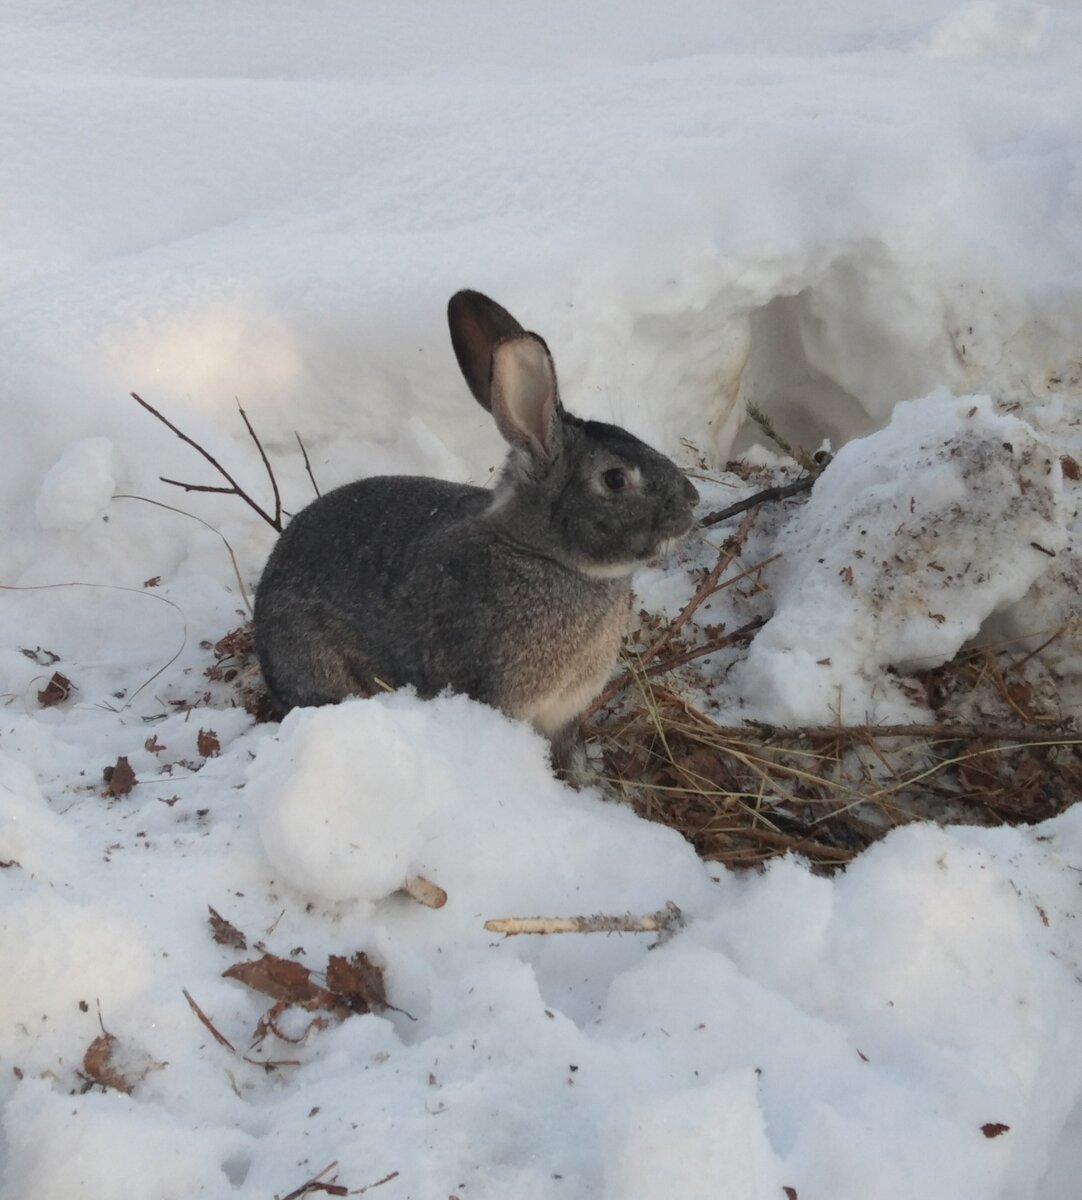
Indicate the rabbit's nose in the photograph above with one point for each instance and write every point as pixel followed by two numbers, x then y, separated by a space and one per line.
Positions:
pixel 691 492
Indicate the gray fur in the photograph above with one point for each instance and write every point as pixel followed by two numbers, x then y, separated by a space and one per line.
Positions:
pixel 517 597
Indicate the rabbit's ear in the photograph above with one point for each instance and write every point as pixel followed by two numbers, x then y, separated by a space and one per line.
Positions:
pixel 525 401
pixel 477 324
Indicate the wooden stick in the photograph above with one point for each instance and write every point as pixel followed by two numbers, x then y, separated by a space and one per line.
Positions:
pixel 665 920
pixel 425 892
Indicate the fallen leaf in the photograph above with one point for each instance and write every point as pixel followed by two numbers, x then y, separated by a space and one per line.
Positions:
pixel 153 581
pixel 358 981
pixel 994 1128
pixel 790 1192
pixel 207 743
pixel 55 691
pixel 282 979
pixel 1070 467
pixel 224 933
pixel 115 1064
pixel 153 745
pixel 119 779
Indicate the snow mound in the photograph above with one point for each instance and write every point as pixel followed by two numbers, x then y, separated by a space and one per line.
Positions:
pixel 912 538
pixel 79 486
pixel 353 799
pixel 986 28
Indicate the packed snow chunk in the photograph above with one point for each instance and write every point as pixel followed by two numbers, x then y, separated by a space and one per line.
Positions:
pixel 706 1143
pixel 912 537
pixel 108 1137
pixel 355 798
pixel 986 28
pixel 77 488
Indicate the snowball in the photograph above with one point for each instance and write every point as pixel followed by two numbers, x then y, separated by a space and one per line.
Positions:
pixel 912 537
pixel 77 489
pixel 340 800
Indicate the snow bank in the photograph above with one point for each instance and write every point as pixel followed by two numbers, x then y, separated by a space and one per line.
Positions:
pixel 912 538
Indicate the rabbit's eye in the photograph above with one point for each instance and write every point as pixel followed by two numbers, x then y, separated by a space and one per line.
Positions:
pixel 615 479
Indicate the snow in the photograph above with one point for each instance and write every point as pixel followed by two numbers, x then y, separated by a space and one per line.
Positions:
pixel 863 218
pixel 948 497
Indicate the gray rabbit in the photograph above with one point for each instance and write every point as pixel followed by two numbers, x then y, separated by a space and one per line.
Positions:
pixel 516 596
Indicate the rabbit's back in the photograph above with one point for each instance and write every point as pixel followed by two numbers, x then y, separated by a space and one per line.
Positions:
pixel 337 596
pixel 412 581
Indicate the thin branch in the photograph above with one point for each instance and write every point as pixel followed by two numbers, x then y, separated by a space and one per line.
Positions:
pixel 725 556
pixel 274 522
pixel 307 467
pixel 766 496
pixel 379 1183
pixel 270 473
pixel 625 678
pixel 220 1038
pixel 315 1184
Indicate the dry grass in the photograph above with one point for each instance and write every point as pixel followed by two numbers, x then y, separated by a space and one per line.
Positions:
pixel 742 795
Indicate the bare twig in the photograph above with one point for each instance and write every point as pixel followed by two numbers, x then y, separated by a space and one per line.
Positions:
pixel 307 464
pixel 766 496
pixel 267 1064
pixel 235 489
pixel 220 1038
pixel 277 523
pixel 725 556
pixel 625 678
pixel 379 1183
pixel 316 1184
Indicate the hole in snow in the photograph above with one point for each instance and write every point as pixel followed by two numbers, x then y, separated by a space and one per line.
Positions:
pixel 805 404
pixel 236 1167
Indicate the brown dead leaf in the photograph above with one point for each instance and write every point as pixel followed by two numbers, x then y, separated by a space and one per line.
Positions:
pixel 790 1192
pixel 846 574
pixel 153 581
pixel 152 745
pixel 993 1129
pixel 357 981
pixel 57 690
pixel 1070 467
pixel 119 779
pixel 207 743
pixel 224 933
pixel 115 1064
pixel 282 979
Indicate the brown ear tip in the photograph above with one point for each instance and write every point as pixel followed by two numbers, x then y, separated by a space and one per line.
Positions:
pixel 462 300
